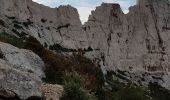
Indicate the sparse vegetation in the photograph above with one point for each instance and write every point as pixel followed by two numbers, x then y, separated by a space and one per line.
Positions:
pixel 13 40
pixel 115 90
pixel 132 92
pixel 158 92
pixel 83 77
pixel 56 64
pixel 74 88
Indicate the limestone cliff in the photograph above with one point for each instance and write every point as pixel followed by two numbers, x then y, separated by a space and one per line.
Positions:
pixel 135 45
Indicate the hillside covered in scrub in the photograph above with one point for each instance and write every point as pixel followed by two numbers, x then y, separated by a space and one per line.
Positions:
pixel 46 53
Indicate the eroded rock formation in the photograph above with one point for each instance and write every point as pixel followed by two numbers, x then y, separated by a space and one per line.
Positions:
pixel 21 72
pixel 135 45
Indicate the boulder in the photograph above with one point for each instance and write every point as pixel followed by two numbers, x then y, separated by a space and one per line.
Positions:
pixel 21 72
pixel 52 91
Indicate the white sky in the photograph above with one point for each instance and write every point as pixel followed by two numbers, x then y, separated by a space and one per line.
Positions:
pixel 86 6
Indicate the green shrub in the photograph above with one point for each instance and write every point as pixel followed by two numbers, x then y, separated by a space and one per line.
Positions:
pixel 74 88
pixel 132 92
pixel 100 92
pixel 13 40
pixel 158 92
pixel 116 90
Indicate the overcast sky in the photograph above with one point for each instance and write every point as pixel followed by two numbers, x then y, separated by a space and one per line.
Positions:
pixel 86 6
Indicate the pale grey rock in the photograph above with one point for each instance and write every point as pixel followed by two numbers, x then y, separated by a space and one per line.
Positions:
pixel 6 93
pixel 49 25
pixel 21 72
pixel 52 91
pixel 136 43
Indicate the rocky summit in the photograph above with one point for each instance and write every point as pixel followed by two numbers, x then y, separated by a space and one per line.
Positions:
pixel 134 46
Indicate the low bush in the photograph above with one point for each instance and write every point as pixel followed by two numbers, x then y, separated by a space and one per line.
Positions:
pixel 132 92
pixel 56 64
pixel 13 40
pixel 74 88
pixel 158 92
pixel 116 90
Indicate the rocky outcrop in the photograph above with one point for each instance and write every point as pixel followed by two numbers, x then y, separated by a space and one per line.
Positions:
pixel 52 92
pixel 135 45
pixel 20 73
pixel 48 25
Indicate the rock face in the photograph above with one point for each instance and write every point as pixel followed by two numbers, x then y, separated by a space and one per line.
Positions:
pixel 52 92
pixel 135 45
pixel 20 72
pixel 48 25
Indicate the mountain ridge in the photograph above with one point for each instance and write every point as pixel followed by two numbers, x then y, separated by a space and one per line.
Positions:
pixel 135 46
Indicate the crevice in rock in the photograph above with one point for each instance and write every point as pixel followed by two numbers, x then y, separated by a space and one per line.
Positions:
pixel 109 39
pixel 154 16
pixel 148 46
pixel 63 26
pixel 103 58
pixel 1 55
pixel 30 11
pixel 8 95
pixel 34 98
